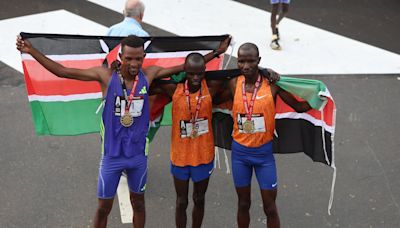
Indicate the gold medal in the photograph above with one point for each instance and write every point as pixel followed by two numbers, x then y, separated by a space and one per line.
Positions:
pixel 126 120
pixel 248 126
pixel 194 134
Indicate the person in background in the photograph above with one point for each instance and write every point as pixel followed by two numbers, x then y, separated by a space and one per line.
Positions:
pixel 131 25
pixel 279 9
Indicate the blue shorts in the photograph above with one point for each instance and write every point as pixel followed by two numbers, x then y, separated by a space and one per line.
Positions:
pixel 280 1
pixel 261 159
pixel 197 173
pixel 110 172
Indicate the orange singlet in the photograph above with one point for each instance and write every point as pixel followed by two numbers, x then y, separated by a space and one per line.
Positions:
pixel 184 149
pixel 264 108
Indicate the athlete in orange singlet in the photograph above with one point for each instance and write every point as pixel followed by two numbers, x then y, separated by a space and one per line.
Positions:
pixel 253 113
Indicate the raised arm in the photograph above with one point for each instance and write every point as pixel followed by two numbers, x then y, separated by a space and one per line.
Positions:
pixel 99 74
pixel 288 98
pixel 156 72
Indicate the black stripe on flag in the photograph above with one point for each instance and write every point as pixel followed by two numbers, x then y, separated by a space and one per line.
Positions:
pixel 59 44
pixel 295 136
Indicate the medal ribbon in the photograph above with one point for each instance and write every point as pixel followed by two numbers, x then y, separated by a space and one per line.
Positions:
pixel 193 117
pixel 249 107
pixel 124 89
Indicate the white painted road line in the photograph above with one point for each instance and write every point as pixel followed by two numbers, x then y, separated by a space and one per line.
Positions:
pixel 306 49
pixel 125 206
pixel 59 21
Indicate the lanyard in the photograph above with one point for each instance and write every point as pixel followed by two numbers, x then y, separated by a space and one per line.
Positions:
pixel 124 89
pixel 193 117
pixel 249 107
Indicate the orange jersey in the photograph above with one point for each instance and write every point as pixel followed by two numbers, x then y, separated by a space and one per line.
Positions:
pixel 263 115
pixel 184 149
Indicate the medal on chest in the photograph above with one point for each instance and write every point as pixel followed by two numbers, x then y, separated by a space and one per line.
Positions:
pixel 195 133
pixel 127 119
pixel 248 125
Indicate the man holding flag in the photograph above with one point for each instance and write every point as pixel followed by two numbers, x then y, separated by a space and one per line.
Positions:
pixel 125 118
pixel 253 130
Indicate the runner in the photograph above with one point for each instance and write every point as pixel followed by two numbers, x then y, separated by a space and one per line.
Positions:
pixel 253 114
pixel 280 7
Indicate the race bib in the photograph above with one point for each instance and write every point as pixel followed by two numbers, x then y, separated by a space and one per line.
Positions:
pixel 135 109
pixel 257 121
pixel 201 125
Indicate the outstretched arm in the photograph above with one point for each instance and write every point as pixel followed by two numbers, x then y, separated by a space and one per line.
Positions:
pixel 99 74
pixel 288 98
pixel 164 89
pixel 156 72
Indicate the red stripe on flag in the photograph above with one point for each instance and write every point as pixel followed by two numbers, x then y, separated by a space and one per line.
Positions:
pixel 43 82
pixel 282 107
pixel 28 83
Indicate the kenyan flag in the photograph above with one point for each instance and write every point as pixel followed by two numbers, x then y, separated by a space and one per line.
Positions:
pixel 70 107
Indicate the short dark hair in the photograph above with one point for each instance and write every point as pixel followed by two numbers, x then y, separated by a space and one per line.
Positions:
pixel 195 57
pixel 249 46
pixel 132 41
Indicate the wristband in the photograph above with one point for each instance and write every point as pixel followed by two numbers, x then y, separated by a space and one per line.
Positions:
pixel 215 54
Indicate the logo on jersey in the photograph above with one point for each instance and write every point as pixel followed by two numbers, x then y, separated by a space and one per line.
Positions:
pixel 143 90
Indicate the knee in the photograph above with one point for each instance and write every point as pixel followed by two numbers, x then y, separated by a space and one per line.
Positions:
pixel 274 10
pixel 199 201
pixel 103 211
pixel 138 205
pixel 182 203
pixel 285 9
pixel 270 210
pixel 244 205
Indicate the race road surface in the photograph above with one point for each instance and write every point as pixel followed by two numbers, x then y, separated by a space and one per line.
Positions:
pixel 350 45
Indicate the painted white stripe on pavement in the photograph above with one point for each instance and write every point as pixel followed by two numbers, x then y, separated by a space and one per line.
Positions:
pixel 306 49
pixel 68 57
pixel 125 206
pixel 65 98
pixel 59 21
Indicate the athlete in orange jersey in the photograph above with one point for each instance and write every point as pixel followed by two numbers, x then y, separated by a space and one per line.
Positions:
pixel 192 140
pixel 254 124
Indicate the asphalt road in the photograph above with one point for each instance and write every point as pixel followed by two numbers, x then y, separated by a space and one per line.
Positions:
pixel 52 181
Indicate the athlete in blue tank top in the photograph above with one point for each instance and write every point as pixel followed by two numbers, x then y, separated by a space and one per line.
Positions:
pixel 125 118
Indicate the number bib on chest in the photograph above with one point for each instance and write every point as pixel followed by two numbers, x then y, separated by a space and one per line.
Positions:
pixel 187 129
pixel 256 124
pixel 135 110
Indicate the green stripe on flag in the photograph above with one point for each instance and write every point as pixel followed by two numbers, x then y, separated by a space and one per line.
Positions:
pixel 306 89
pixel 167 116
pixel 66 118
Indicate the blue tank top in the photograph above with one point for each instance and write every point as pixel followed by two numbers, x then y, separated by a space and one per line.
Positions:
pixel 119 140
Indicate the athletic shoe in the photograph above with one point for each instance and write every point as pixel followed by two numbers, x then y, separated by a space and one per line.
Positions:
pixel 274 43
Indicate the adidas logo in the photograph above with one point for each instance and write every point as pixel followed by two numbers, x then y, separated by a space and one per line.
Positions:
pixel 143 90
